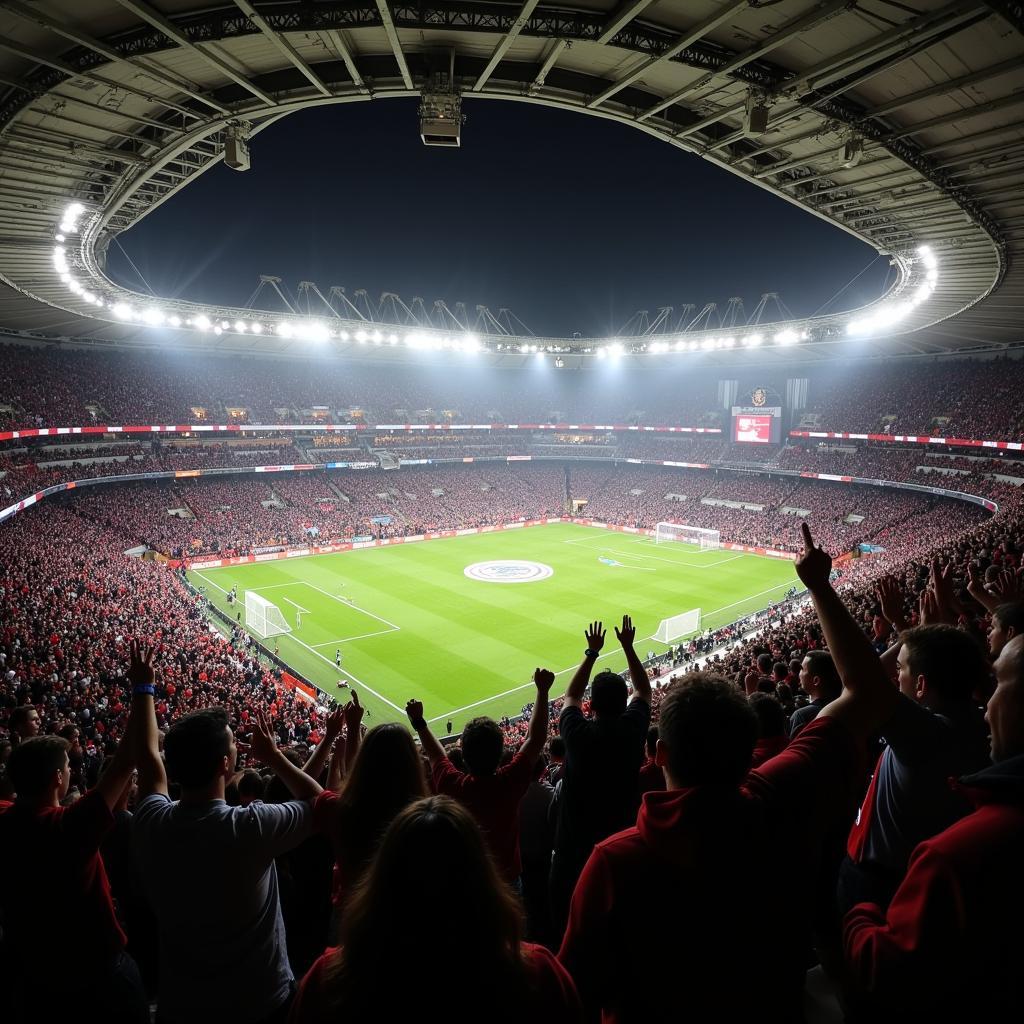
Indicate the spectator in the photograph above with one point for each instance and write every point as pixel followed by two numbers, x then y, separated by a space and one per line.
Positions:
pixel 697 841
pixel 209 872
pixel 434 845
pixel 251 787
pixel 820 681
pixel 386 776
pixel 600 789
pixel 556 751
pixel 1007 622
pixel 490 790
pixel 536 838
pixel 934 733
pixel 24 723
pixel 771 728
pixel 949 945
pixel 651 776
pixel 51 871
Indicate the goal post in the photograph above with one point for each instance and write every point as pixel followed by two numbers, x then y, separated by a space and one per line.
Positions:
pixel 263 617
pixel 677 626
pixel 706 540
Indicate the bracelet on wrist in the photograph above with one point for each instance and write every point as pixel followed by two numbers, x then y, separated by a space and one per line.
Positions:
pixel 147 689
pixel 590 653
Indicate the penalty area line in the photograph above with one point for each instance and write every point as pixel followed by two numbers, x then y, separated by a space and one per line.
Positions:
pixel 349 639
pixel 335 668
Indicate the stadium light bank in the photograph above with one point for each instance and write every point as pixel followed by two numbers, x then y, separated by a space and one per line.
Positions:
pixel 122 305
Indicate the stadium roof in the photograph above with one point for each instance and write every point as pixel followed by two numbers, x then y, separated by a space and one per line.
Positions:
pixel 899 123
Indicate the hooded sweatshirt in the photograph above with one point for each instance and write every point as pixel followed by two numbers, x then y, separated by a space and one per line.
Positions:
pixel 950 946
pixel 698 910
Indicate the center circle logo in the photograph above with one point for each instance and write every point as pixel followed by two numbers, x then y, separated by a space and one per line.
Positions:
pixel 508 570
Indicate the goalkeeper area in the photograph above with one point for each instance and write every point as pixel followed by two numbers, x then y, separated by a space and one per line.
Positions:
pixel 461 623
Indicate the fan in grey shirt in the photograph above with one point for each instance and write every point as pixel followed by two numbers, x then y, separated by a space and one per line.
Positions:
pixel 208 870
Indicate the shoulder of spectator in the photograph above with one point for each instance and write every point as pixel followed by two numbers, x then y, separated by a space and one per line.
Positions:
pixel 446 774
pixel 915 732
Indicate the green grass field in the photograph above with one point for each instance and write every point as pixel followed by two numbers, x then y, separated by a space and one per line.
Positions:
pixel 410 623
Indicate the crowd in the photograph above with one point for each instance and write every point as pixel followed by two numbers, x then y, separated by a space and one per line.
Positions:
pixel 799 777
pixel 813 785
pixel 46 387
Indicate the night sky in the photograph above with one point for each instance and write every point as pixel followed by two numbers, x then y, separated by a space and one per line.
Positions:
pixel 572 222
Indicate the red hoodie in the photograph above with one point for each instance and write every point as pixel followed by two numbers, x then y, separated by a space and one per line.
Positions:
pixel 950 946
pixel 696 913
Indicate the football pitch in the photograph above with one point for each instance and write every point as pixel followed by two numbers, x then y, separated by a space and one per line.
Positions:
pixel 460 623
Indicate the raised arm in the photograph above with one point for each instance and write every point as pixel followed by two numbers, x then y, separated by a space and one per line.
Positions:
pixel 353 730
pixel 868 696
pixel 431 747
pixel 595 641
pixel 538 734
pixel 890 599
pixel 263 746
pixel 318 759
pixel 637 673
pixel 141 734
pixel 336 773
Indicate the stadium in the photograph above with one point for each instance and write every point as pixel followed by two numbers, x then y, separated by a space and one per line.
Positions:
pixel 296 589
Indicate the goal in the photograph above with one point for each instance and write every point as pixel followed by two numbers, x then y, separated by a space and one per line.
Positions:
pixel 678 625
pixel 706 540
pixel 262 617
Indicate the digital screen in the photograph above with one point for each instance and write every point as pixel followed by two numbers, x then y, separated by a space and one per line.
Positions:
pixel 754 429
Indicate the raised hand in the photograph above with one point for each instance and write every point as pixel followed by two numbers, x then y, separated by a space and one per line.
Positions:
pixel 595 636
pixel 627 634
pixel 140 669
pixel 890 597
pixel 543 679
pixel 929 610
pixel 353 712
pixel 414 709
pixel 814 565
pixel 941 582
pixel 1007 586
pixel 262 742
pixel 335 720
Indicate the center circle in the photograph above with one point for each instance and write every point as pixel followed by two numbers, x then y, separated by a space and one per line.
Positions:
pixel 508 570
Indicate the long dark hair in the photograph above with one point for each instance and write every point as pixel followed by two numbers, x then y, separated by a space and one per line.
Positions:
pixel 432 856
pixel 387 776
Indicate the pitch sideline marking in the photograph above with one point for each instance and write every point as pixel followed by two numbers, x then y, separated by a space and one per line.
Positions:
pixel 336 668
pixel 298 606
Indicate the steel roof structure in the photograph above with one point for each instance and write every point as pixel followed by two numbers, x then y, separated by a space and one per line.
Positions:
pixel 900 123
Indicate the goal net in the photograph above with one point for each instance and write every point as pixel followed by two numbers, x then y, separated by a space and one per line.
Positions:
pixel 678 625
pixel 262 617
pixel 706 540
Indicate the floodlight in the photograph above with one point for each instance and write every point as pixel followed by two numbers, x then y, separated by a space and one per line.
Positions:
pixel 203 322
pixel 284 329
pixel 786 337
pixel 174 321
pixel 601 353
pixel 256 327
pixel 239 327
pixel 122 311
pixel 152 316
